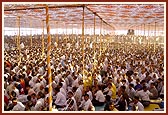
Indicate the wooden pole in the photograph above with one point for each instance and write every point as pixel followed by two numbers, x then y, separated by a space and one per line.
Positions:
pixel 43 39
pixel 155 28
pixel 148 28
pixel 83 40
pixel 148 35
pixel 72 37
pixel 72 29
pixel 48 58
pixel 144 35
pixel 103 36
pixel 85 31
pixel 18 33
pixel 136 31
pixel 16 37
pixel 19 40
pixel 94 33
pixel 25 31
pixel 56 36
pixel 94 47
pixel 100 37
pixel 57 33
pixel 31 33
pixel 66 36
pixel 141 29
pixel 144 29
pixel 155 38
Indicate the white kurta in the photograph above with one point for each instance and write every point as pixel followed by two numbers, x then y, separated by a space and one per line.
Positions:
pixel 18 107
pixel 86 104
pixel 99 96
pixel 140 106
pixel 39 104
pixel 60 99
pixel 144 95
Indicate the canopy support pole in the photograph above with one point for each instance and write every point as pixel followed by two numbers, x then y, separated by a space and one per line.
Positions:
pixel 141 30
pixel 57 34
pixel 48 58
pixel 94 42
pixel 144 29
pixel 148 36
pixel 100 37
pixel 72 29
pixel 83 40
pixel 19 41
pixel 16 36
pixel 155 38
pixel 66 36
pixel 31 33
pixel 43 39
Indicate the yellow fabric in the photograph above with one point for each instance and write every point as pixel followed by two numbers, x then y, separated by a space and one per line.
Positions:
pixel 113 89
pixel 88 82
pixel 156 101
pixel 115 109
pixel 151 107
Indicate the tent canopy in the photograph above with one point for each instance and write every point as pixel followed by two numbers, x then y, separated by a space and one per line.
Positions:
pixel 114 16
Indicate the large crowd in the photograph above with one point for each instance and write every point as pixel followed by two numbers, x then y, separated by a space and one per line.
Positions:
pixel 120 77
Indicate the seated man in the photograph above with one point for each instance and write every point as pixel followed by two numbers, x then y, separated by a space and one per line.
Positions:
pixel 99 97
pixel 109 106
pixel 137 105
pixel 86 104
pixel 112 107
pixel 110 90
pixel 18 106
pixel 71 104
pixel 60 99
pixel 154 91
pixel 144 96
pixel 40 102
pixel 121 104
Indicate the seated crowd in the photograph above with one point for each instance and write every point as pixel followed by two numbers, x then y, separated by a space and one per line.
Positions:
pixel 117 80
